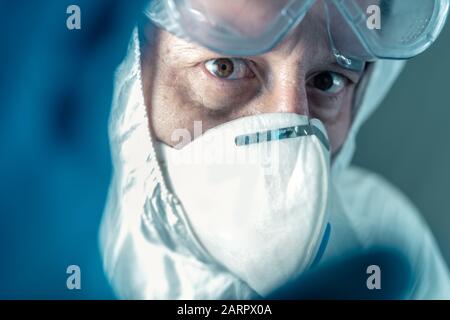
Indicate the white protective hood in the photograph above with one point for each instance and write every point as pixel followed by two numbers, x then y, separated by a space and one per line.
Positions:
pixel 140 210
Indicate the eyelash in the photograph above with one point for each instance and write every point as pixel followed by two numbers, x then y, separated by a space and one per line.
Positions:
pixel 247 72
pixel 237 65
pixel 341 80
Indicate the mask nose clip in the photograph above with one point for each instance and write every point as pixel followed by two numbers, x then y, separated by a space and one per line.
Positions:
pixel 281 134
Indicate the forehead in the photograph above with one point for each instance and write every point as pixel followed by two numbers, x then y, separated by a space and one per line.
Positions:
pixel 311 33
pixel 309 39
pixel 249 17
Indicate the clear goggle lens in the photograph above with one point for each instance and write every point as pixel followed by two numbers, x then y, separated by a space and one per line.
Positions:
pixel 359 29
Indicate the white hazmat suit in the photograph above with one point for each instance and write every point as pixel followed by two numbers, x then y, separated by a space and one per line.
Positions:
pixel 149 253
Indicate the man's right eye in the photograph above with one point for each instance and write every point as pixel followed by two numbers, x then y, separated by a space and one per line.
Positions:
pixel 229 68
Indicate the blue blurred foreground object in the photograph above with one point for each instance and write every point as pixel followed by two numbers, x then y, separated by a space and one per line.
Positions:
pixel 354 277
pixel 55 93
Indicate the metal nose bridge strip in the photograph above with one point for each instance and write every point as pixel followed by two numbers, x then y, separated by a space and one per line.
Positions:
pixel 281 134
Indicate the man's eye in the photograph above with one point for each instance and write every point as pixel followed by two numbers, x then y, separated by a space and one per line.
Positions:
pixel 329 82
pixel 229 68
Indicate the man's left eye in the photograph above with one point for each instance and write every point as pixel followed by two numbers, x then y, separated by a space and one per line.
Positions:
pixel 329 82
pixel 229 68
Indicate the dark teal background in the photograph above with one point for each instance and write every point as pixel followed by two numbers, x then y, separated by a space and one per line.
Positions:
pixel 408 139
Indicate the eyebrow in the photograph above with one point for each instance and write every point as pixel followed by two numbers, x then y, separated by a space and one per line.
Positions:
pixel 185 45
pixel 190 53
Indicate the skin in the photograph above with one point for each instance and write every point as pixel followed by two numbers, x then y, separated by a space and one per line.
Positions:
pixel 182 83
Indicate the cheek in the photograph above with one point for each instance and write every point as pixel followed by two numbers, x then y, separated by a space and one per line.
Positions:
pixel 175 115
pixel 340 126
pixel 164 92
pixel 170 112
pixel 159 98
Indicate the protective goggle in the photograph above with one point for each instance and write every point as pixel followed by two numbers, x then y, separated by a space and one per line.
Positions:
pixel 362 30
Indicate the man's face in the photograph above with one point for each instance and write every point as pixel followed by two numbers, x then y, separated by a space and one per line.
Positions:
pixel 184 83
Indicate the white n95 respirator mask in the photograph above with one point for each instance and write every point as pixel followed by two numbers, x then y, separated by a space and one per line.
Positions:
pixel 255 194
